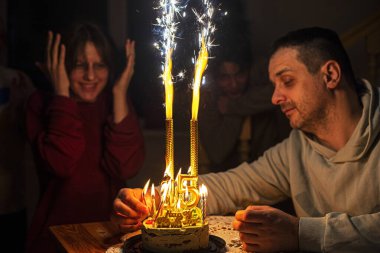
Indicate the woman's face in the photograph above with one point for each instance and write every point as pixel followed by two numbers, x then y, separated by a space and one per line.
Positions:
pixel 89 75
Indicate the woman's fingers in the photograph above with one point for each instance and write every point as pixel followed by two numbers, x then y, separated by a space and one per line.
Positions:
pixel 130 49
pixel 62 55
pixel 55 64
pixel 48 50
pixel 128 204
pixel 126 76
pixel 55 52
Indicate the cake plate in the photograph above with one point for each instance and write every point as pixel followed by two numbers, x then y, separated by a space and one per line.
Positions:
pixel 134 245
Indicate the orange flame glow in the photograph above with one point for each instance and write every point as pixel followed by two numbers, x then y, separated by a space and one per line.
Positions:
pixel 168 82
pixel 200 67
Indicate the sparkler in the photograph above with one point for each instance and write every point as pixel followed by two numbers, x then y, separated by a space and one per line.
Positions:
pixel 169 10
pixel 183 191
pixel 206 29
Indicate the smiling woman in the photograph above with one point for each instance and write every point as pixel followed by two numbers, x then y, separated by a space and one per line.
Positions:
pixel 86 138
pixel 89 62
pixel 89 75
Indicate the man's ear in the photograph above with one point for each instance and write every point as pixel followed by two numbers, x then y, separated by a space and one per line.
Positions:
pixel 331 74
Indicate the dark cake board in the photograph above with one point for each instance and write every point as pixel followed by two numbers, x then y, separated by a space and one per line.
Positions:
pixel 134 245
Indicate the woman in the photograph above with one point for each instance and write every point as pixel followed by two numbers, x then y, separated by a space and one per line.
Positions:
pixel 86 138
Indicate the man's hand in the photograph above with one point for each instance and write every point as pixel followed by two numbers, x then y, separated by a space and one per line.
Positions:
pixel 266 229
pixel 129 210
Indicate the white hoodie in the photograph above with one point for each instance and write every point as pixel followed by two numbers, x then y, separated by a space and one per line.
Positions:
pixel 335 194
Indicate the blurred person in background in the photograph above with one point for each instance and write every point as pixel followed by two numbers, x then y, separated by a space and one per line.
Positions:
pixel 221 121
pixel 15 87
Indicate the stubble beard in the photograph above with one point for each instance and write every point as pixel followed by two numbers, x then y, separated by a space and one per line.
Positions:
pixel 313 121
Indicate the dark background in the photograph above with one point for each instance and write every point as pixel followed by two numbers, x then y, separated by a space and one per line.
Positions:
pixel 260 22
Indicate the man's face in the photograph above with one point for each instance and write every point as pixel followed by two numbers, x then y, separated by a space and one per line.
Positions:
pixel 301 95
pixel 89 75
pixel 232 79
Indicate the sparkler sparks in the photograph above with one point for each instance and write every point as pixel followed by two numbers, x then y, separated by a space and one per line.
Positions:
pixel 206 29
pixel 167 23
pixel 170 11
pixel 184 187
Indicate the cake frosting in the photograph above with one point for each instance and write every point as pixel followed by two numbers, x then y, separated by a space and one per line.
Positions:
pixel 179 231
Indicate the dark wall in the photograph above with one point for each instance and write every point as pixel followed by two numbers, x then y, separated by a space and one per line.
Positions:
pixel 146 89
pixel 268 20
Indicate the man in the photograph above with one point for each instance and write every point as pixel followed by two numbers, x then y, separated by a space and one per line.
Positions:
pixel 329 165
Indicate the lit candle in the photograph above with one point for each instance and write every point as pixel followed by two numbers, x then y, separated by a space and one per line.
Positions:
pixel 164 191
pixel 145 190
pixel 203 193
pixel 153 195
pixel 176 184
pixel 172 201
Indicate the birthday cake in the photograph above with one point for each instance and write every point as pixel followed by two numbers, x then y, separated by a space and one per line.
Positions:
pixel 185 239
pixel 179 227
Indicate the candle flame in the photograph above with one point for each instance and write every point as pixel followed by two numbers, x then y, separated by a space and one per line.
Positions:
pixel 152 191
pixel 179 173
pixel 145 189
pixel 168 171
pixel 164 191
pixel 203 191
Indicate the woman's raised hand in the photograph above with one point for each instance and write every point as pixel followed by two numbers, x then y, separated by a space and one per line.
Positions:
pixel 55 63
pixel 121 86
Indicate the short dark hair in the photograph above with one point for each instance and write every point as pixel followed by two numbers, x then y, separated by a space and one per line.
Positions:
pixel 315 46
pixel 89 32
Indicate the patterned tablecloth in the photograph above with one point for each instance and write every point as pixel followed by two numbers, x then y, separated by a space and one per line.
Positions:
pixel 220 226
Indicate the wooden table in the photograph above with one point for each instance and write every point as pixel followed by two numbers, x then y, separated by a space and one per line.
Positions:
pixel 100 237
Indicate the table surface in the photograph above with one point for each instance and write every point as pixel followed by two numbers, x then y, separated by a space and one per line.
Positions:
pixel 103 237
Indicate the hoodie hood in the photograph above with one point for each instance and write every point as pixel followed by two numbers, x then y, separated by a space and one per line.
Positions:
pixel 364 134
